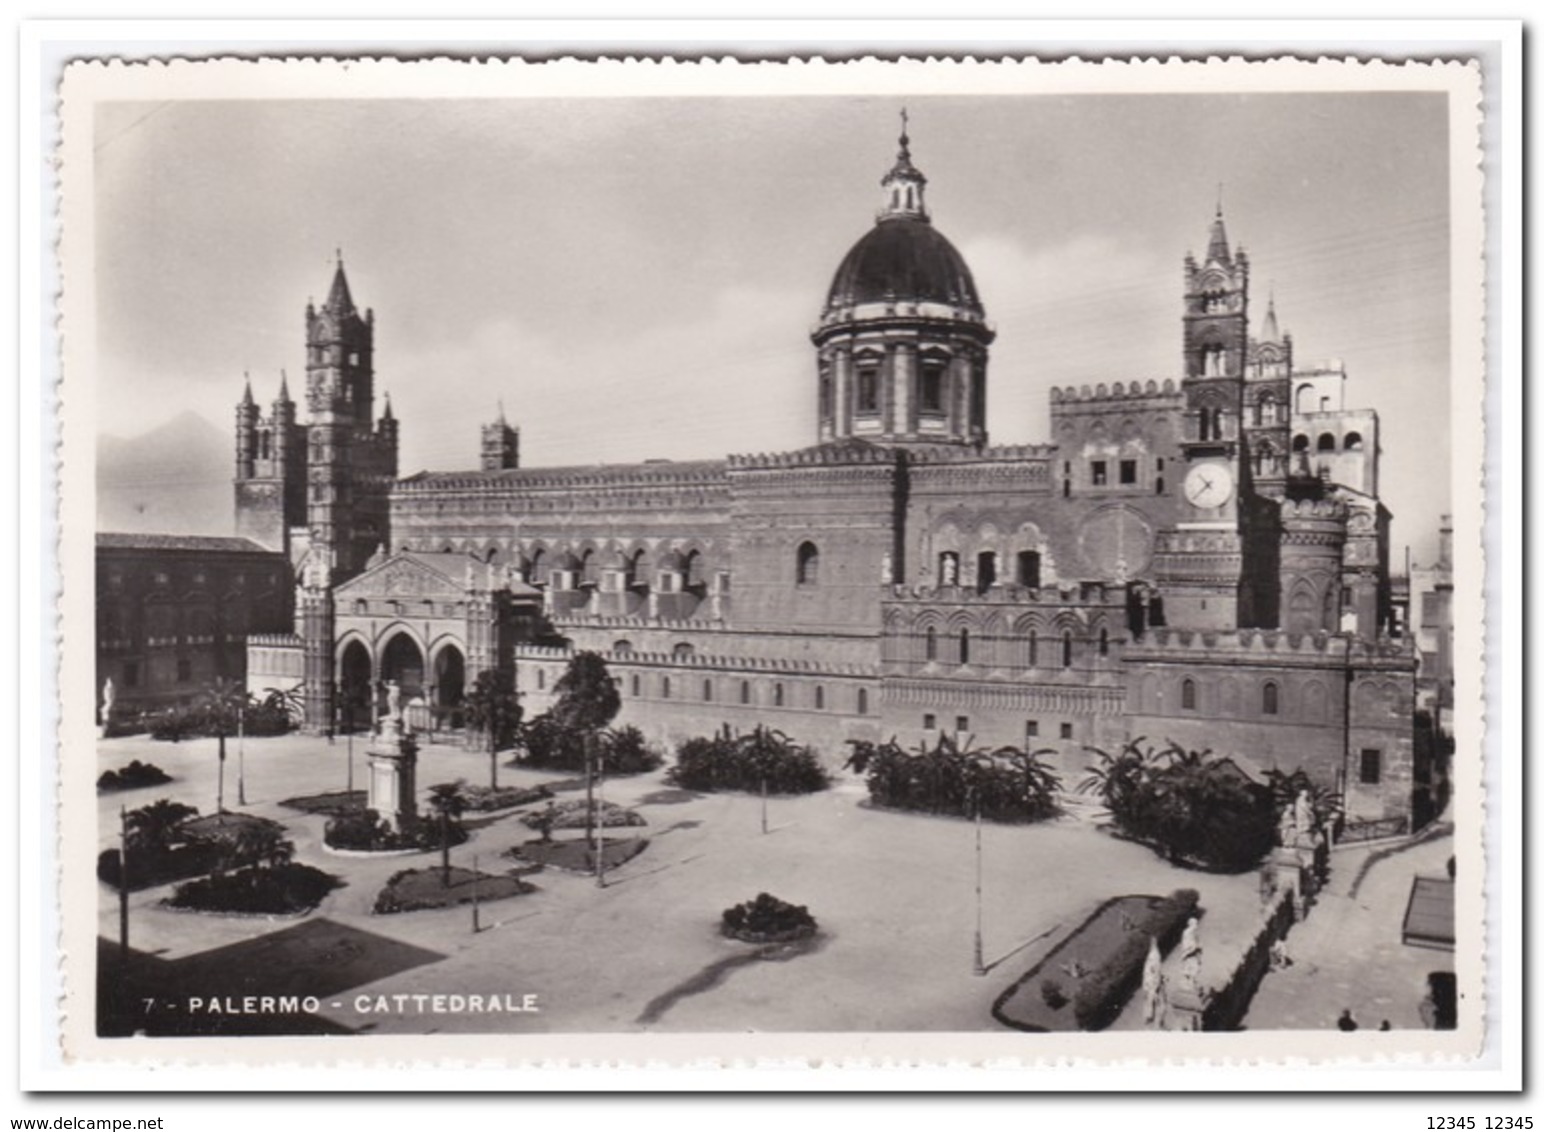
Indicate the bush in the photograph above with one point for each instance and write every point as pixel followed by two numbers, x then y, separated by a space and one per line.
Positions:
pixel 280 890
pixel 763 759
pixel 149 868
pixel 1190 807
pixel 767 919
pixel 482 799
pixel 365 831
pixel 550 745
pixel 1006 784
pixel 415 890
pixel 1103 992
pixel 572 815
pixel 132 777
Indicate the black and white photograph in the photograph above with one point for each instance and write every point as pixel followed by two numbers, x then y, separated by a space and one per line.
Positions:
pixel 972 556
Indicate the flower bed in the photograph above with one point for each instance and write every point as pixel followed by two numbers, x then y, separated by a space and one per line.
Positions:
pixel 366 831
pixel 149 868
pixel 135 776
pixel 572 815
pixel 334 803
pixel 767 919
pixel 417 890
pixel 279 890
pixel 578 856
pixel 1096 968
pixel 485 798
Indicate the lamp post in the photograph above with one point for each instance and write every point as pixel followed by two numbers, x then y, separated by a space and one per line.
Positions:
pixel 123 885
pixel 978 967
pixel 241 755
pixel 600 818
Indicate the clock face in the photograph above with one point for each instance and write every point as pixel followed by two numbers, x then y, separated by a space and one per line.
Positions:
pixel 1208 486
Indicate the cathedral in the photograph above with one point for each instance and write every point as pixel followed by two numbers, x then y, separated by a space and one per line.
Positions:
pixel 1203 559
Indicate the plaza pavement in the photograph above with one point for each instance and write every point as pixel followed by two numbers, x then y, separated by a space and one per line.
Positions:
pixel 893 892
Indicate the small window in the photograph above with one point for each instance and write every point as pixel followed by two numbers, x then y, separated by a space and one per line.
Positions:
pixel 682 651
pixel 1066 731
pixel 1066 648
pixel 622 648
pixel 1104 642
pixel 541 679
pixel 1031 728
pixel 1034 648
pixel 986 571
pixel 777 695
pixel 1300 443
pixel 1270 699
pixel 745 691
pixel 932 643
pixel 1029 569
pixel 862 701
pixel 707 691
pixel 1099 470
pixel 868 391
pixel 964 646
pixel 962 723
pixel 1372 766
pixel 1326 442
pixel 1128 471
pixel 820 698
pixel 930 722
pixel 825 395
pixel 664 688
pixel 636 684
pixel 1187 695
pixel 1353 442
pixel 807 568
pixel 932 398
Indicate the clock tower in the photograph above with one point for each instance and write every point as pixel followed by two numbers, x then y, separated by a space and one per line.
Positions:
pixel 1201 560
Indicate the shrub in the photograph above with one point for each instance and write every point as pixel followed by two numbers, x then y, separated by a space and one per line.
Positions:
pixel 762 759
pixel 132 777
pixel 277 890
pixel 549 744
pixel 1189 806
pixel 572 815
pixel 1103 992
pixel 485 798
pixel 767 919
pixel 365 831
pixel 415 890
pixel 1005 785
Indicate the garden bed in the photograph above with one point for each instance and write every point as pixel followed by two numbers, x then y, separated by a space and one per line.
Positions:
pixel 572 815
pixel 417 890
pixel 333 804
pixel 1084 981
pixel 482 799
pixel 149 869
pixel 767 919
pixel 364 831
pixel 578 855
pixel 135 776
pixel 281 890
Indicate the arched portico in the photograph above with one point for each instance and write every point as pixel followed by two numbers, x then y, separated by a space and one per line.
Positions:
pixel 402 660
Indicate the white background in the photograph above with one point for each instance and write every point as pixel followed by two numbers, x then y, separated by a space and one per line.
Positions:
pixel 28 694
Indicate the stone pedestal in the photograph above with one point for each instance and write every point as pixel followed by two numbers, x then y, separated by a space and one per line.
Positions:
pixel 393 789
pixel 1187 1009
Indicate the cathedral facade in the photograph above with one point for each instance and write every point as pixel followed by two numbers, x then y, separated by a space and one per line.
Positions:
pixel 1202 559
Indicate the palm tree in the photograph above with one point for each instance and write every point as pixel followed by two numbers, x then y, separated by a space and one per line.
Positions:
pixel 153 828
pixel 221 701
pixel 449 803
pixel 587 702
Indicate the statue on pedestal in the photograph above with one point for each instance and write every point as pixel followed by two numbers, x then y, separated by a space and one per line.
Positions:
pixel 107 702
pixel 1154 986
pixel 1190 957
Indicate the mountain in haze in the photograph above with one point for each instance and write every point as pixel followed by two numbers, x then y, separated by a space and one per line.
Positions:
pixel 174 480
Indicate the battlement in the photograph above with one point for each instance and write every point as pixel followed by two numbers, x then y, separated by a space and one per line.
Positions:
pixel 1165 644
pixel 823 455
pixel 1119 391
pixel 648 474
pixel 1073 595
pixel 706 662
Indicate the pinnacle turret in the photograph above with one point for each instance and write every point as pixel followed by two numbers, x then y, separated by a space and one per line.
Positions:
pixel 339 300
pixel 904 184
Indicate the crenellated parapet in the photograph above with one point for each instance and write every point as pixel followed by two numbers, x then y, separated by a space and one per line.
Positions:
pixel 702 662
pixel 1161 394
pixel 683 473
pixel 1076 595
pixel 821 455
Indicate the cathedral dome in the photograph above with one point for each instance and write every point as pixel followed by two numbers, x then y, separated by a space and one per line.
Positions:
pixel 903 259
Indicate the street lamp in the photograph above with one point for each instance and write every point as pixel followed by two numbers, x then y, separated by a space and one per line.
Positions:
pixel 978 967
pixel 241 754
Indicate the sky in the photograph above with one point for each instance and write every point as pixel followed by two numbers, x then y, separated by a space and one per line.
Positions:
pixel 637 279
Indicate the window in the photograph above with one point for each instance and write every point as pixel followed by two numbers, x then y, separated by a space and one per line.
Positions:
pixel 807 567
pixel 930 722
pixel 978 398
pixel 622 648
pixel 964 646
pixel 962 723
pixel 1034 648
pixel 541 679
pixel 636 684
pixel 1128 471
pixel 986 571
pixel 932 643
pixel 862 701
pixel 868 391
pixel 1187 695
pixel 777 695
pixel 745 691
pixel 1104 642
pixel 682 651
pixel 1029 569
pixel 664 688
pixel 1099 470
pixel 1326 442
pixel 1066 648
pixel 1372 766
pixel 948 568
pixel 184 670
pixel 1353 442
pixel 1066 731
pixel 707 691
pixel 932 393
pixel 820 698
pixel 1270 698
pixel 825 395
pixel 1031 728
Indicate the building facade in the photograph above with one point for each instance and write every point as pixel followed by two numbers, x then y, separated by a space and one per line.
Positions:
pixel 1201 558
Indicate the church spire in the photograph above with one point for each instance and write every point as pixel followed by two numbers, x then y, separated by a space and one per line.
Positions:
pixel 386 414
pixel 246 397
pixel 1217 246
pixel 904 183
pixel 283 385
pixel 1269 331
pixel 339 301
